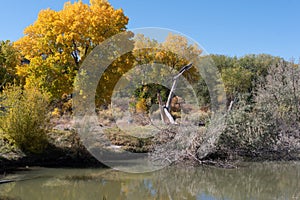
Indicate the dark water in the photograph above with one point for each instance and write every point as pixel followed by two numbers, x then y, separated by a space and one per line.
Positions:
pixel 253 181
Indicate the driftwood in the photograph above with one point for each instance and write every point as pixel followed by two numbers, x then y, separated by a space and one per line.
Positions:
pixel 232 102
pixel 3 181
pixel 6 181
pixel 163 116
pixel 230 106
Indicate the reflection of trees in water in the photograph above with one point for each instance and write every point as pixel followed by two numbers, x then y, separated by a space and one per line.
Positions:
pixel 259 181
pixel 256 181
pixel 5 189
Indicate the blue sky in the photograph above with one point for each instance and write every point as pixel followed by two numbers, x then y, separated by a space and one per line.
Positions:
pixel 229 27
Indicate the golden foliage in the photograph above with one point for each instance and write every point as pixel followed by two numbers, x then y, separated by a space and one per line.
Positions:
pixel 58 41
pixel 141 106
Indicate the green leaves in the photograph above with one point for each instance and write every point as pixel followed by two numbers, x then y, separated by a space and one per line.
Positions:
pixel 24 120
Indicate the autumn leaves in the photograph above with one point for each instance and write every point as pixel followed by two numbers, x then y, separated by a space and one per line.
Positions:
pixel 58 41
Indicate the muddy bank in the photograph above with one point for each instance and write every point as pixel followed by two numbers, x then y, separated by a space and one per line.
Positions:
pixel 63 150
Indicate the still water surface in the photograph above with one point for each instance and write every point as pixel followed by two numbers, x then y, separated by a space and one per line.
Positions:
pixel 252 181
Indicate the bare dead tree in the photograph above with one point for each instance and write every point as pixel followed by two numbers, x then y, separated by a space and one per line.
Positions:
pixel 165 109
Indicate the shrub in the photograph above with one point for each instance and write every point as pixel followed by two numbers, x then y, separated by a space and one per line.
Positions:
pixel 248 128
pixel 24 119
pixel 272 122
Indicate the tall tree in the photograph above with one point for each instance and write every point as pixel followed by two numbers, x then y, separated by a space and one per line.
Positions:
pixel 240 75
pixel 58 41
pixel 158 63
pixel 177 52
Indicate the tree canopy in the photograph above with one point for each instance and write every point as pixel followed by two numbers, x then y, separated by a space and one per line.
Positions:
pixel 241 75
pixel 58 41
pixel 9 58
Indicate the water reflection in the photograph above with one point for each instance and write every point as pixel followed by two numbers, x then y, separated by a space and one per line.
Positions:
pixel 254 181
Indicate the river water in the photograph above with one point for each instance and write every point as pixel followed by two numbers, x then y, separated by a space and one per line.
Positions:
pixel 250 181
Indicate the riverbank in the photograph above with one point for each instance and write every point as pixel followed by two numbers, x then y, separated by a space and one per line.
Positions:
pixel 65 149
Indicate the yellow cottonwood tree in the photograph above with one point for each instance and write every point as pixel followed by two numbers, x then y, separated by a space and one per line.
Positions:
pixel 58 41
pixel 177 52
pixel 173 53
pixel 9 59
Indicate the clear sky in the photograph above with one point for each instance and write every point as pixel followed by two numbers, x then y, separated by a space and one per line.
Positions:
pixel 230 27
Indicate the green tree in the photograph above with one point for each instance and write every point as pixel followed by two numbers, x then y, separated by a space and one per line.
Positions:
pixel 241 75
pixel 237 80
pixel 258 64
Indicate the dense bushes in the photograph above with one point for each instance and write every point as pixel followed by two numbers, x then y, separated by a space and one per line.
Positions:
pixel 264 123
pixel 24 118
pixel 271 123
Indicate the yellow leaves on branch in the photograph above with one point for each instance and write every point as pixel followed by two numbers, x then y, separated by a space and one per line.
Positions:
pixel 60 40
pixel 175 52
pixel 77 27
